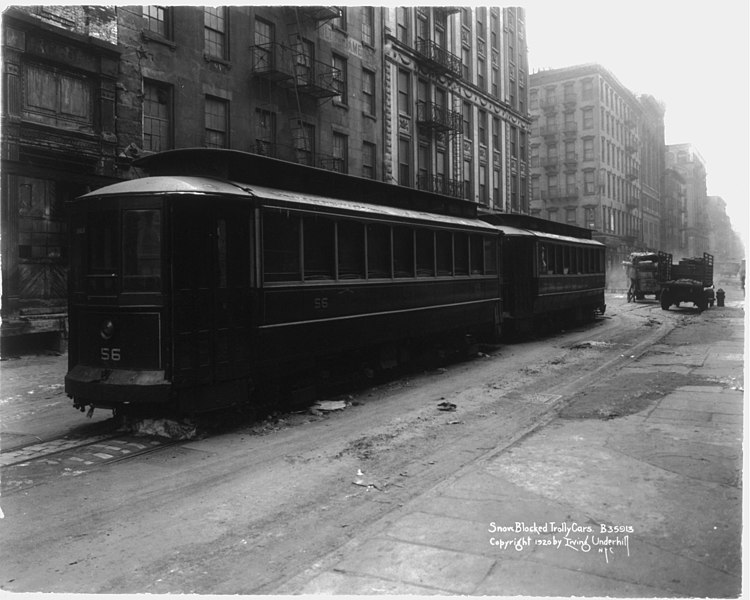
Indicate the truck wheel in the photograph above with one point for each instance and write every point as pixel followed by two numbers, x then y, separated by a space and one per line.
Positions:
pixel 666 301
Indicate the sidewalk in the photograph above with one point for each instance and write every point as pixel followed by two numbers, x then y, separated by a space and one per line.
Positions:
pixel 645 505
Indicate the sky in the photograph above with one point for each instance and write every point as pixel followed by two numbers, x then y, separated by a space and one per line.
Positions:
pixel 692 56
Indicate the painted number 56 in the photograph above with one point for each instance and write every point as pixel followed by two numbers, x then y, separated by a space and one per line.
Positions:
pixel 321 303
pixel 109 354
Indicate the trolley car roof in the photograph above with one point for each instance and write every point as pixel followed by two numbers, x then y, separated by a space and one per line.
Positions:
pixel 183 184
pixel 552 237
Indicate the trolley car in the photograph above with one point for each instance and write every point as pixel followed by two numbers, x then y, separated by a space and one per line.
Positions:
pixel 551 272
pixel 190 291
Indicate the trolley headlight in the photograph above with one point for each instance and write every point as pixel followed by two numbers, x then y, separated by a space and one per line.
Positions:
pixel 107 330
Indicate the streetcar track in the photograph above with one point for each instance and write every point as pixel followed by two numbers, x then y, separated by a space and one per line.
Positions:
pixel 24 470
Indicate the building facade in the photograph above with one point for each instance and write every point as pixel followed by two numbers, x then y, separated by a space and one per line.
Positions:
pixel 301 84
pixel 456 103
pixel 687 161
pixel 432 98
pixel 59 140
pixel 595 157
pixel 673 224
pixel 725 244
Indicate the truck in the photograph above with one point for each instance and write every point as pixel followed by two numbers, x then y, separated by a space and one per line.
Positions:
pixel 644 272
pixel 691 280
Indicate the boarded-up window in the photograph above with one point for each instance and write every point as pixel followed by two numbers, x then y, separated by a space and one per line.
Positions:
pixel 56 98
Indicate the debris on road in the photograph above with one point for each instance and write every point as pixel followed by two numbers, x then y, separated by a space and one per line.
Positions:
pixel 589 344
pixel 446 406
pixel 364 481
pixel 325 406
pixel 167 428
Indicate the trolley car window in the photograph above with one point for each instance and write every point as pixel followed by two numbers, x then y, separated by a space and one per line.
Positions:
pixel 425 253
pixel 461 254
pixel 351 249
pixel 102 257
pixel 403 252
pixel 281 247
pixel 318 235
pixel 141 250
pixel 378 251
pixel 444 253
pixel 477 255
pixel 490 256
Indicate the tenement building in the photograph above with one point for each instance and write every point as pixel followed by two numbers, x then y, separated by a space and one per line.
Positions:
pixel 59 140
pixel 689 164
pixel 596 157
pixel 433 98
pixel 455 108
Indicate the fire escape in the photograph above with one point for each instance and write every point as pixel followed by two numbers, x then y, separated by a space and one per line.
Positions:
pixel 441 122
pixel 292 66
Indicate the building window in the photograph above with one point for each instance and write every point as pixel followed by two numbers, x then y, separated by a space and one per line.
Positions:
pixel 496 134
pixel 304 143
pixel 467 124
pixel 553 186
pixel 158 20
pixel 589 183
pixel 483 191
pixel 496 188
pixel 402 25
pixel 217 119
pixel 404 162
pixel 588 149
pixel 589 215
pixel 404 92
pixel 263 51
pixel 570 150
pixel 339 63
pixel 483 127
pixel 466 62
pixel 214 31
pixel 514 142
pixel 588 118
pixel 368 25
pixel 468 178
pixel 157 116
pixel 481 66
pixel 534 158
pixel 340 152
pixel 423 27
pixel 423 166
pixel 56 98
pixel 42 226
pixel 340 21
pixel 368 91
pixel 570 184
pixel 265 140
pixel 368 160
pixel 495 75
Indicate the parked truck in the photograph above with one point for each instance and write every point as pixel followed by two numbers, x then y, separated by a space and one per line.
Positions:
pixel 645 274
pixel 691 280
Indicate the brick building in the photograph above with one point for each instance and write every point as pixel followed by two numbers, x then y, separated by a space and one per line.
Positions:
pixel 433 98
pixel 595 157
pixel 60 69
pixel 687 161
